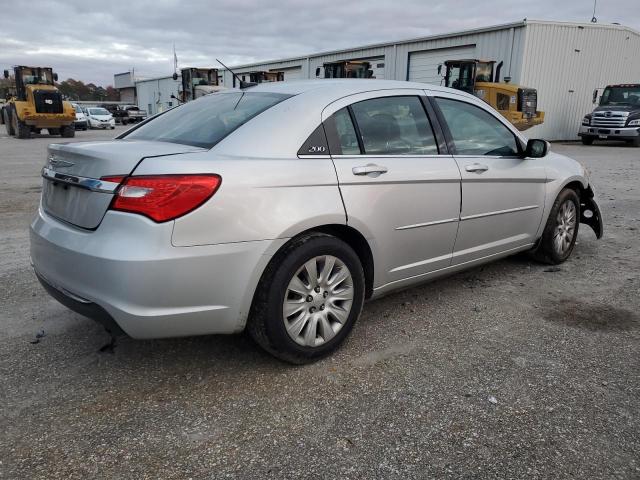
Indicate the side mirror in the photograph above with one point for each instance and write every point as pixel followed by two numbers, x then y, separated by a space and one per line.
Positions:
pixel 174 76
pixel 317 71
pixel 6 74
pixel 55 77
pixel 595 95
pixel 440 69
pixel 536 148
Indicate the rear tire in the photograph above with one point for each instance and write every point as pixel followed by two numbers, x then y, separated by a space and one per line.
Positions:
pixel 561 231
pixel 586 140
pixel 322 315
pixel 68 131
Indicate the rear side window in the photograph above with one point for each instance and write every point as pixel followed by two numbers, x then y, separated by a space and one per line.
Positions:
pixel 475 131
pixel 394 126
pixel 204 122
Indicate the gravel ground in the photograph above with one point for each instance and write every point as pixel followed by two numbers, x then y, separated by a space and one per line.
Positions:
pixel 511 370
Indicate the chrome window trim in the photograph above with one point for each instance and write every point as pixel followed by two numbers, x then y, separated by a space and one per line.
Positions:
pixel 364 155
pixel 93 184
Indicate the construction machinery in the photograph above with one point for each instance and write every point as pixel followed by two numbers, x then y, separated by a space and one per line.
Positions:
pixel 346 69
pixel 36 104
pixel 197 82
pixel 516 103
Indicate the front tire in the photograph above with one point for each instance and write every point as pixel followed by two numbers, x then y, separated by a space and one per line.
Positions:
pixel 308 299
pixel 561 231
pixel 586 140
pixel 635 142
pixel 67 131
pixel 21 129
pixel 6 114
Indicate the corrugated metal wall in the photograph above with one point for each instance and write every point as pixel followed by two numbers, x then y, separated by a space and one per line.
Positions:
pixel 155 95
pixel 566 62
pixel 500 45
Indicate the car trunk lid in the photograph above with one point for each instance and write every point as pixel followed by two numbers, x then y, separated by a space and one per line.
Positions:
pixel 74 189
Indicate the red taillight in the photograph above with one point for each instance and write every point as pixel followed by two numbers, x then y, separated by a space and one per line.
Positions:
pixel 164 197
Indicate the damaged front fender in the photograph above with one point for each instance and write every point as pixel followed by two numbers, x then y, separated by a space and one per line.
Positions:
pixel 590 212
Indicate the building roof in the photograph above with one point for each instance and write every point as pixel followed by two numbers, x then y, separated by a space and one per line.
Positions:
pixel 504 26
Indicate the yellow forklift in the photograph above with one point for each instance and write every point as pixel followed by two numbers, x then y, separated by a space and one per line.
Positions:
pixel 346 69
pixel 517 104
pixel 36 104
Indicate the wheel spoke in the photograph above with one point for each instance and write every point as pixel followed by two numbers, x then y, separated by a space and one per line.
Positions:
pixel 291 307
pixel 312 272
pixel 339 313
pixel 340 276
pixel 327 331
pixel 312 331
pixel 298 287
pixel 343 295
pixel 295 327
pixel 327 268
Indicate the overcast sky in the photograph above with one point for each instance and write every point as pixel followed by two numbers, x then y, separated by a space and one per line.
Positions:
pixel 90 41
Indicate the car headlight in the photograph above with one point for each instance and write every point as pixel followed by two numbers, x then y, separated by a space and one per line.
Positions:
pixel 635 123
pixel 586 120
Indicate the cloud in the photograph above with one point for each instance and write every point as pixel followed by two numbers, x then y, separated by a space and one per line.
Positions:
pixel 90 41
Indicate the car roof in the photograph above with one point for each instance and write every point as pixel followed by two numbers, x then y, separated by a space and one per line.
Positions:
pixel 343 86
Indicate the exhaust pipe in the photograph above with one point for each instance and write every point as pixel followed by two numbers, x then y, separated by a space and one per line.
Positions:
pixel 498 68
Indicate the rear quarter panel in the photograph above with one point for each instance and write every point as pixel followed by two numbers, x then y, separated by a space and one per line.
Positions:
pixel 259 198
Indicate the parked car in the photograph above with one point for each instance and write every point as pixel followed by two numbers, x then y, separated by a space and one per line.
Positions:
pixel 125 114
pixel 99 117
pixel 281 208
pixel 617 117
pixel 133 114
pixel 81 122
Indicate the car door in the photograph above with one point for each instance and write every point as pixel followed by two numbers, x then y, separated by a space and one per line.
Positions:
pixel 502 193
pixel 398 183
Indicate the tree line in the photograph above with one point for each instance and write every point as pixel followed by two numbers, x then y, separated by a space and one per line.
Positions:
pixel 72 89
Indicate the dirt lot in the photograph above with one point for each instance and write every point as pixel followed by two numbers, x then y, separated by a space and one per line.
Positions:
pixel 512 370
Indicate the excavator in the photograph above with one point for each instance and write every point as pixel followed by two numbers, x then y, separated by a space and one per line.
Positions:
pixel 516 103
pixel 36 104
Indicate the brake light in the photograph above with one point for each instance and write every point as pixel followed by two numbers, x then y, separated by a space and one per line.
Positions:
pixel 164 197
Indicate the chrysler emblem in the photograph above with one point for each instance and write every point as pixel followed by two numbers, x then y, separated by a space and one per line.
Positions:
pixel 59 163
pixel 607 114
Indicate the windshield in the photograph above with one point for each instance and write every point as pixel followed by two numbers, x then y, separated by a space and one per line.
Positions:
pixel 98 111
pixel 36 76
pixel 204 122
pixel 621 96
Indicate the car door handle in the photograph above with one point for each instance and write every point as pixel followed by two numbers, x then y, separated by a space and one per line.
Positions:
pixel 369 169
pixel 476 167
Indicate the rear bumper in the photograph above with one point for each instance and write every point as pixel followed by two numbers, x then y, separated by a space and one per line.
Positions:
pixel 128 271
pixel 611 133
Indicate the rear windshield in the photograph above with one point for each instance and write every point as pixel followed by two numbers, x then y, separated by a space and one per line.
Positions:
pixel 206 121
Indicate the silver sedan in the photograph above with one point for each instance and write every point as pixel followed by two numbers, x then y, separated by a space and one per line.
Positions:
pixel 281 208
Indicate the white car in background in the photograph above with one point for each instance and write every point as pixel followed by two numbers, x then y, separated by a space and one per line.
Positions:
pixel 81 122
pixel 99 117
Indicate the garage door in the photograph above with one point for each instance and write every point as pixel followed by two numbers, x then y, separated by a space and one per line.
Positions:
pixel 294 73
pixel 423 65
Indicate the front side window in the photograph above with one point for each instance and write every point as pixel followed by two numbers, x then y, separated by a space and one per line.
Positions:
pixel 206 121
pixel 475 131
pixel 394 126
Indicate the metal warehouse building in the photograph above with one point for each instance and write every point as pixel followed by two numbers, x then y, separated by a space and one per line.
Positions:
pixel 565 62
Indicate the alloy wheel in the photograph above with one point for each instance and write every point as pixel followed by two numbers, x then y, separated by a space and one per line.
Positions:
pixel 565 227
pixel 318 301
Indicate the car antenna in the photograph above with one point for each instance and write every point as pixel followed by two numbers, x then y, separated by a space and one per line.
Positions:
pixel 243 84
